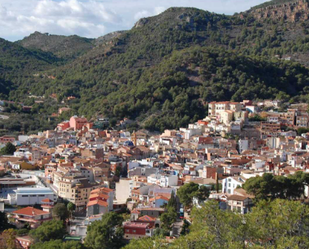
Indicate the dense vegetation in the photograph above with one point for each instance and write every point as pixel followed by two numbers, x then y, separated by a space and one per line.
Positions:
pixel 165 69
pixel 106 233
pixel 272 187
pixel 275 224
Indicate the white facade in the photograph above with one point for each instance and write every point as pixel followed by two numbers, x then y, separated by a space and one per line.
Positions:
pixel 229 184
pixel 273 142
pixel 31 196
pixel 163 180
pixel 243 145
pixel 168 181
pixel 123 189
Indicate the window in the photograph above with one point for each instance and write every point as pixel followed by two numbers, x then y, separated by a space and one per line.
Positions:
pixel 134 231
pixel 24 196
pixel 41 195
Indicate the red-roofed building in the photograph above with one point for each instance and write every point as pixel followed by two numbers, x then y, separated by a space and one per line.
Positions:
pixel 63 125
pixel 147 219
pixel 31 215
pixel 100 201
pixel 47 205
pixel 136 230
pixel 78 123
pixel 97 207
pixel 159 201
pixel 6 139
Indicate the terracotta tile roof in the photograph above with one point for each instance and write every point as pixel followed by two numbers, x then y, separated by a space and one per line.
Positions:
pixel 30 211
pixel 98 195
pixel 146 218
pixel 160 197
pixel 152 209
pixel 97 202
pixel 136 225
pixel 236 198
pixel 135 211
pixel 47 200
pixel 101 190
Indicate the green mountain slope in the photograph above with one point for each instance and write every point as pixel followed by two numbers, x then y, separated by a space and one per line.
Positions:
pixel 166 68
pixel 17 65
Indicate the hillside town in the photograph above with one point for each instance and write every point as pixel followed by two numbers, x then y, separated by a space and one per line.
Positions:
pixel 137 173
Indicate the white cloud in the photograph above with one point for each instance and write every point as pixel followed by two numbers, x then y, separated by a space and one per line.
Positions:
pixel 93 18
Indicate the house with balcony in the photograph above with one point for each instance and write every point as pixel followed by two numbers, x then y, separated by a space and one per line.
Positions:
pixel 240 204
pixel 33 216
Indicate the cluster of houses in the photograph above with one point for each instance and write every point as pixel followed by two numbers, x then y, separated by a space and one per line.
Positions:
pixel 114 170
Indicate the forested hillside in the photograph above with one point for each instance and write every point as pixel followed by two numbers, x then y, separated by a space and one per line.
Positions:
pixel 166 68
pixel 273 3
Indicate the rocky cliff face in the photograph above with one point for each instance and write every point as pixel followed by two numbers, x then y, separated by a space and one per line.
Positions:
pixel 293 11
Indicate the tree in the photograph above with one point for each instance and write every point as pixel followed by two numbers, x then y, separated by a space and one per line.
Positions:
pixel 172 202
pixel 71 208
pixel 302 130
pixel 185 227
pixel 272 187
pixel 49 230
pixel 4 222
pixel 58 244
pixel 186 193
pixel 106 233
pixel 158 242
pixel 271 224
pixel 203 193
pixel 168 218
pixel 8 149
pixel 61 211
pixel 274 223
pixel 8 240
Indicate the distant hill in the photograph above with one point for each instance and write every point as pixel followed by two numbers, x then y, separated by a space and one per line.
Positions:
pixel 66 47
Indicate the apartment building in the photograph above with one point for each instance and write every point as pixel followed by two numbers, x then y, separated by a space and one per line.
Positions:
pixel 75 189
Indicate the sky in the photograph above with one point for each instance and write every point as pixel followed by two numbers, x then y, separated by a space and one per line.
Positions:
pixel 94 18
